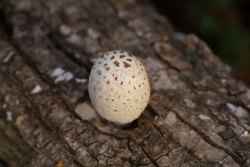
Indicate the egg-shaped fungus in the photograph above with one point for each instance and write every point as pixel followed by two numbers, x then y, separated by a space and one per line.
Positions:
pixel 118 87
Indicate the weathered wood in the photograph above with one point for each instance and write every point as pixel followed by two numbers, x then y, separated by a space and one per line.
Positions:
pixel 198 113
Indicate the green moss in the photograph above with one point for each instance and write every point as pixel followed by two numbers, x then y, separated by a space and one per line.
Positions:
pixel 13 151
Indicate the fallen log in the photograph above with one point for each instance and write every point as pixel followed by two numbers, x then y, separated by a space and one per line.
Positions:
pixel 198 114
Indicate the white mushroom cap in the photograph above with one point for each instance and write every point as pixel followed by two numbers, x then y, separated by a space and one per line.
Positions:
pixel 118 87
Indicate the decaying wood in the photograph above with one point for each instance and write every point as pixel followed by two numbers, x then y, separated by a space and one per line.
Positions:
pixel 198 113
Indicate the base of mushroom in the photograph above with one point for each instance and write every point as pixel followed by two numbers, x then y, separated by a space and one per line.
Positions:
pixel 129 125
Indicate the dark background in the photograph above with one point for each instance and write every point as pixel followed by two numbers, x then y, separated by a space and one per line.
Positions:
pixel 223 24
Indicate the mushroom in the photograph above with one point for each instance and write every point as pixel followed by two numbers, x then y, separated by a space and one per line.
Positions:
pixel 118 87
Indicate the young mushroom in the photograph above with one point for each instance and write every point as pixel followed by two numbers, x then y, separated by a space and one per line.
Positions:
pixel 118 87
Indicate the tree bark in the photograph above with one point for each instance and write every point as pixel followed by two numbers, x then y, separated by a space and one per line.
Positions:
pixel 198 114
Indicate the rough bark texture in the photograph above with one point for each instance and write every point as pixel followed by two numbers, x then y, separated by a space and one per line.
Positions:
pixel 198 113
